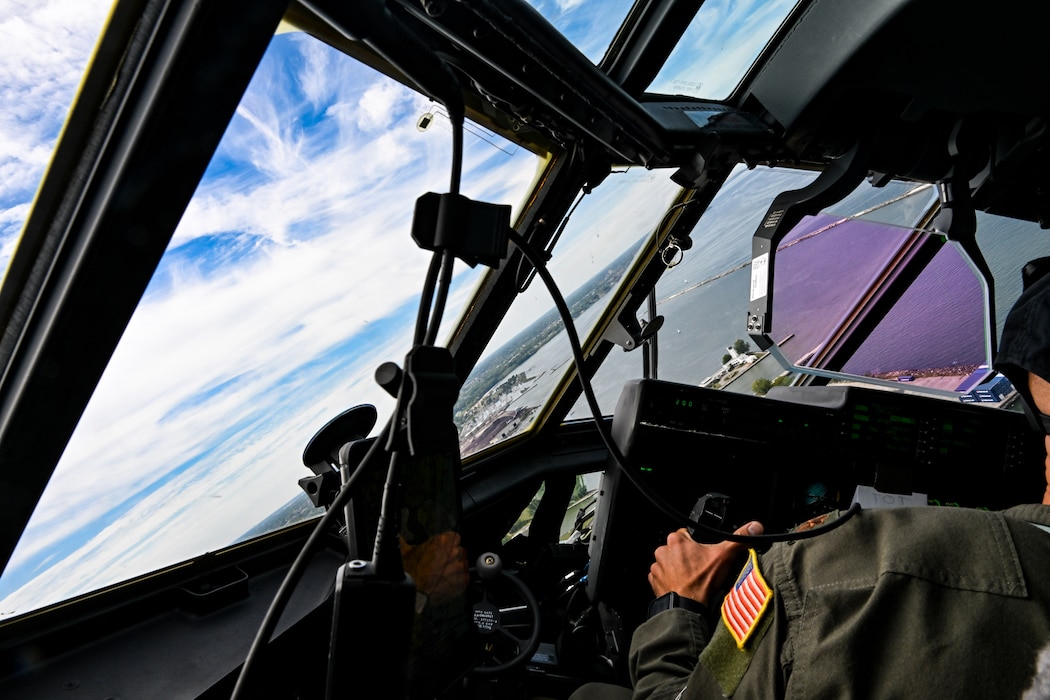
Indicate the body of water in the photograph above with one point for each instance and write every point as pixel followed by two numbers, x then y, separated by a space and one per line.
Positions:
pixel 837 259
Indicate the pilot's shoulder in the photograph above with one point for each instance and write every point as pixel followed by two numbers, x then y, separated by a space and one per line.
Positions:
pixel 906 540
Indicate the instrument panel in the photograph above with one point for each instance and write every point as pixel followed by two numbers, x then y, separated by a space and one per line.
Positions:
pixel 792 455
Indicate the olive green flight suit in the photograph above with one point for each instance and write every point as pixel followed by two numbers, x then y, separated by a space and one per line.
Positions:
pixel 932 602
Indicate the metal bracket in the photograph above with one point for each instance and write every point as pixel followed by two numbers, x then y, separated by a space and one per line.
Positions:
pixel 788 208
pixel 628 332
pixel 957 221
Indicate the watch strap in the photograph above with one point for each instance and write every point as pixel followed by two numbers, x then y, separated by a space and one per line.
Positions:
pixel 672 600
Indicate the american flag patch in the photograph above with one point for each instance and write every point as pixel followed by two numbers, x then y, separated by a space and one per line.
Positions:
pixel 746 602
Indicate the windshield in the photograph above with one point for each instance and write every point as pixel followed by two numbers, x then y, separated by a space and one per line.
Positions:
pixel 291 278
pixel 928 339
pixel 531 358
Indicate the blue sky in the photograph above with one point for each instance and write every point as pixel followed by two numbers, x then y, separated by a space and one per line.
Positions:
pixel 719 45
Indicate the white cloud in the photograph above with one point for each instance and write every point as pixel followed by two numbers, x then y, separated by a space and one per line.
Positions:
pixel 277 150
pixel 316 79
pixel 44 48
pixel 377 108
pixel 566 5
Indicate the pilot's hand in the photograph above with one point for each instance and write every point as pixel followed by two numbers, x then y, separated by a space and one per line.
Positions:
pixel 1040 389
pixel 694 570
pixel 438 566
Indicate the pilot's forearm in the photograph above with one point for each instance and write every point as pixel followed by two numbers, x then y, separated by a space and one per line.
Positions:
pixel 664 652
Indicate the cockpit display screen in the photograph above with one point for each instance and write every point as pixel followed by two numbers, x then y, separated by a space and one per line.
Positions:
pixel 877 426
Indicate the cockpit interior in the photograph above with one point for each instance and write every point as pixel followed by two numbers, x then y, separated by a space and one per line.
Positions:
pixel 369 349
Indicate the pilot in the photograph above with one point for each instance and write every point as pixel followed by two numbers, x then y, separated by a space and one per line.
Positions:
pixel 931 602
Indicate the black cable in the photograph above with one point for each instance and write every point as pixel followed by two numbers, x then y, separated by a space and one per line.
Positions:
pixel 443 284
pixel 291 579
pixel 658 501
pixel 455 118
pixel 386 551
pixel 439 297
pixel 426 298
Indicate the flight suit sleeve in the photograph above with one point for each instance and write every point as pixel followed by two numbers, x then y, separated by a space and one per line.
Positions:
pixel 679 654
pixel 664 651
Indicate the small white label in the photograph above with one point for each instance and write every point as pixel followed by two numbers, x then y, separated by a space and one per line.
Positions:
pixel 485 619
pixel 868 497
pixel 759 276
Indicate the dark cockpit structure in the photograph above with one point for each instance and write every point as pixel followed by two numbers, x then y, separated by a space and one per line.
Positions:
pixel 371 348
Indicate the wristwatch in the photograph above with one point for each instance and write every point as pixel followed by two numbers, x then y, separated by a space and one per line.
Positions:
pixel 673 600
